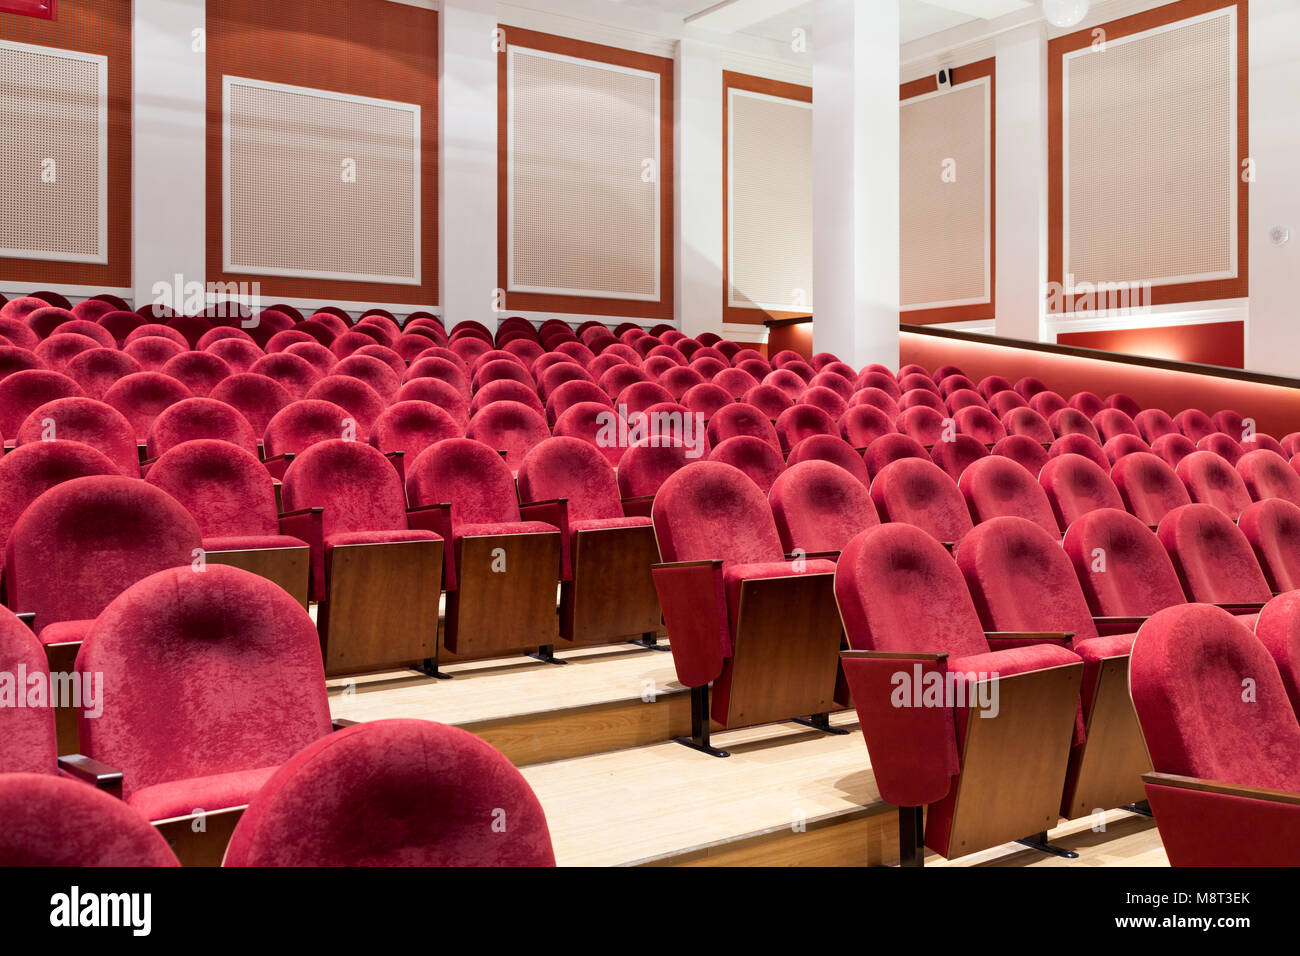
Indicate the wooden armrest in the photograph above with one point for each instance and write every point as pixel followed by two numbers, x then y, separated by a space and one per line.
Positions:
pixel 1119 620
pixel 286 456
pixel 1031 637
pixel 673 565
pixel 1220 786
pixel 91 771
pixel 1242 606
pixel 638 498
pixel 892 656
pixel 28 618
pixel 815 555
pixel 302 511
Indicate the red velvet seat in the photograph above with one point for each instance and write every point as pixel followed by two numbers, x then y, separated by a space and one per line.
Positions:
pixel 737 382
pixel 153 352
pixel 1212 480
pixel 505 390
pixel 833 449
pixel 758 460
pixel 195 418
pixel 920 396
pixel 571 393
pixel 1221 445
pixel 1111 422
pixel 1024 451
pixel 411 427
pixel 200 372
pixel 1088 403
pixel 362 402
pixel 1173 448
pixel 502 566
pixel 956 454
pixel 740 418
pixel 394 793
pixel 994 487
pixel 735 607
pixel 1152 423
pixel 890 448
pixel 28 743
pixel 231 496
pixel 912 624
pixel 965 398
pixel 1214 561
pixel 79 544
pixel 862 424
pixel 1148 486
pixel 1194 423
pixel 197 668
pixel 84 420
pixel 1071 421
pixel 1226 785
pixel 1278 629
pixel 1121 445
pixel 788 382
pixel 818 507
pixel 59 350
pixel 1266 475
pixel 800 421
pixel 607 593
pixel 769 400
pixel 1027 422
pixel 919 493
pixel 1272 526
pixel 22 392
pixel 1075 486
pixel 510 427
pixel 293 372
pixel 1002 404
pixel 924 424
pixel 1021 579
pixel 991 385
pixel 444 369
pixel 645 466
pixel 1079 444
pixel 301 424
pixel 878 398
pixel 50 821
pixel 598 425
pixel 1047 403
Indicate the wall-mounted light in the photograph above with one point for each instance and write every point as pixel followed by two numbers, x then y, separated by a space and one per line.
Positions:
pixel 1065 13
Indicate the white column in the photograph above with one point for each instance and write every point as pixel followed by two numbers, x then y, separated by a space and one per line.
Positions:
pixel 1021 131
pixel 168 147
pixel 698 188
pixel 467 169
pixel 855 180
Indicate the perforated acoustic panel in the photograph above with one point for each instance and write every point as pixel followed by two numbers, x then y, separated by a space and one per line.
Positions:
pixel 53 154
pixel 769 216
pixel 582 177
pixel 1150 150
pixel 944 179
pixel 320 184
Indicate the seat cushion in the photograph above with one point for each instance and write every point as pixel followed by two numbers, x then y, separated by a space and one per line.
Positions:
pixel 65 632
pixel 178 798
pixel 1014 660
pixel 402 536
pixel 505 527
pixel 252 542
pixel 600 524
pixel 735 575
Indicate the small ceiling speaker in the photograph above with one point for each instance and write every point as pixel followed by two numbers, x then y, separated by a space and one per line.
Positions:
pixel 1065 13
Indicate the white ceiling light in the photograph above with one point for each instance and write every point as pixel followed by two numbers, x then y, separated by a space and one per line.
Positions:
pixel 1065 13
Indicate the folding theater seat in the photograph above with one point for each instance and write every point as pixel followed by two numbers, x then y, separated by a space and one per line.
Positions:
pixel 1267 475
pixel 362 402
pixel 955 383
pixel 436 393
pixel 920 493
pixel 738 382
pixel 1047 404
pixel 1111 422
pixel 200 372
pixel 862 424
pixel 1278 629
pixel 609 594
pixel 240 354
pixel 1212 480
pixel 1075 486
pixel 22 392
pixel 831 449
pixel 1226 784
pixel 432 366
pixel 1121 445
pixel 144 396
pixel 153 352
pixel 303 423
pixel 508 427
pixel 924 424
pixel 877 398
pixel 1148 486
pixel 293 372
pixel 740 418
pixel 51 821
pixel 762 629
pixel 1173 448
pixel 879 380
pixel 1071 421
pixel 890 448
pixel 799 422
pixel 1078 444
pixel 955 455
pixel 196 418
pixel 505 390
pixel 1272 526
pixel 909 618
pixel 1194 423
pixel 411 427
pixel 1024 451
pixel 819 506
pixel 1221 445
pixel 1088 403
pixel 991 385
pixel 84 420
pixel 58 350
pixel 758 460
pixel 1213 558
pixel 1026 421
pixel 231 496
pixel 1002 403
pixel 376 568
pixel 1021 579
pixel 965 398
pixel 14 359
pixel 1153 423
pixel 995 487
pixel 919 396
pixel 211 681
pixel 503 567
pixel 980 423
pixel 1260 441
pixel 645 466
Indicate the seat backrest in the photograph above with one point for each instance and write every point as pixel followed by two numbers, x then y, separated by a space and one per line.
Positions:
pixel 1154 422
pixel 1021 580
pixel 1110 422
pixel 1194 423
pixel 645 466
pixel 24 391
pixel 862 424
pixel 1278 629
pixel 30 470
pixel 756 458
pixel 354 483
pixel 920 493
pixel 28 741
pixel 1173 447
pixel 469 476
pixel 362 402
pixel 203 673
pixel 1076 486
pixel 85 420
pixel 923 423
pixel 1121 445
pixel 55 821
pixel 84 541
pixel 819 506
pixel 832 449
pixel 956 455
pixel 195 418
pixel 224 487
pixel 1120 565
pixel 740 418
pixel 1214 561
pixel 1187 673
pixel 573 469
pixel 1211 480
pixel 1071 421
pixel 890 448
pixel 144 396
pixel 1024 451
pixel 712 510
pixel 800 421
pixel 1077 444
pixel 510 427
pixel 301 424
pixel 1027 422
pixel 1272 527
pixel 980 423
pixel 994 487
pixel 411 427
pixel 423 789
pixel 900 591
pixel 1267 475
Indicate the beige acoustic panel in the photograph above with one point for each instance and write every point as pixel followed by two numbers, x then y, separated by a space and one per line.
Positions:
pixel 944 180
pixel 582 177
pixel 53 154
pixel 320 184
pixel 1150 155
pixel 770 202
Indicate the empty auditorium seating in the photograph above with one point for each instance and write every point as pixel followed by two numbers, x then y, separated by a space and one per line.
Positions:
pixel 919 493
pixel 1267 475
pixel 96 424
pixel 832 449
pixel 1272 526
pixel 907 615
pixel 195 418
pixel 758 460
pixel 1214 561
pixel 1226 783
pixel 1278 629
pixel 1211 479
pixel 819 506
pixel 996 486
pixel 1075 486
pixel 764 630
pixel 1149 487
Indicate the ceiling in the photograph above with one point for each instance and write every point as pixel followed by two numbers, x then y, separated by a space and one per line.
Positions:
pixel 777 19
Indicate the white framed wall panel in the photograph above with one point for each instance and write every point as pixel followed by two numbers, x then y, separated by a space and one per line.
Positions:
pixel 769 202
pixel 288 208
pixel 582 215
pixel 945 197
pixel 53 154
pixel 1149 158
